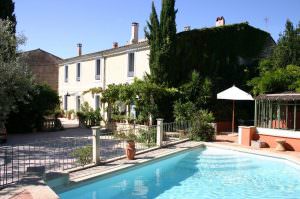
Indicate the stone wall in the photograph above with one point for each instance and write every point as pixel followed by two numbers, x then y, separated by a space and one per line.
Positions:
pixel 44 67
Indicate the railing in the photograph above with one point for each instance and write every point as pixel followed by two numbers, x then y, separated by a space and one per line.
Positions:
pixel 176 131
pixel 68 153
pixel 53 155
pixel 87 123
pixel 112 144
pixel 52 124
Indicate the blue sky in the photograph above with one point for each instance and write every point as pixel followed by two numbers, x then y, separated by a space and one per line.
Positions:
pixel 58 25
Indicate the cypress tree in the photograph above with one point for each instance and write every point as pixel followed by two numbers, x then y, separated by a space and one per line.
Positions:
pixel 153 36
pixel 162 41
pixel 7 9
pixel 168 41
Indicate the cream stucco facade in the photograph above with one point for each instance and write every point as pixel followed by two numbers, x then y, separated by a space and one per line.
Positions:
pixel 114 69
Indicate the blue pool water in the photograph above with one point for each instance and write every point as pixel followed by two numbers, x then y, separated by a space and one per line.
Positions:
pixel 200 173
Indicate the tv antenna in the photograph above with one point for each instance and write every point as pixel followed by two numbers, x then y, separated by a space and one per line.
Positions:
pixel 266 19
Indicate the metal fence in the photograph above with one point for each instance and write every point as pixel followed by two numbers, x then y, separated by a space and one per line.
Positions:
pixel 176 131
pixel 112 144
pixel 68 153
pixel 53 155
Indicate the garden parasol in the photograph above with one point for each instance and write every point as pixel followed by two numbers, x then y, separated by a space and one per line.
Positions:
pixel 234 93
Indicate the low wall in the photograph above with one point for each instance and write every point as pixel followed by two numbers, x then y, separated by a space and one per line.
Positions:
pixel 117 126
pixel 269 136
pixel 292 144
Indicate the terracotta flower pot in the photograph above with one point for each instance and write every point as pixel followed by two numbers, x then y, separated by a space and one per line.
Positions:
pixel 130 150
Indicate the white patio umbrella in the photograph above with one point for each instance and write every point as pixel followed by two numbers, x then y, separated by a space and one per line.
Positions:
pixel 234 93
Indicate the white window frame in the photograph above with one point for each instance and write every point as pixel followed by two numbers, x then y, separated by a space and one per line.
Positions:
pixel 98 77
pixel 130 73
pixel 66 102
pixel 66 72
pixel 78 71
pixel 99 102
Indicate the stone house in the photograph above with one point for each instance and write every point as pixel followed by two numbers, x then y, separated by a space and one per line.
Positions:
pixel 44 66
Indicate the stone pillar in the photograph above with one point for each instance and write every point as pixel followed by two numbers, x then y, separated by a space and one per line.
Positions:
pixel 246 133
pixel 96 144
pixel 159 132
pixel 240 134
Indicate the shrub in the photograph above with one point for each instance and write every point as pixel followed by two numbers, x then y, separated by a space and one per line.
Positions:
pixel 125 135
pixel 184 111
pixel 31 115
pixel 83 155
pixel 202 130
pixel 147 137
pixel 88 116
pixel 118 118
pixel 59 112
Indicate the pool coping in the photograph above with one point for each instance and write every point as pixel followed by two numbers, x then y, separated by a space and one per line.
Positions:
pixel 254 151
pixel 127 167
pixel 39 189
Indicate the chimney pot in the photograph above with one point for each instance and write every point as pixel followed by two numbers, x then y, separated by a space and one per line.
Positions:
pixel 134 33
pixel 187 28
pixel 220 21
pixel 115 44
pixel 79 48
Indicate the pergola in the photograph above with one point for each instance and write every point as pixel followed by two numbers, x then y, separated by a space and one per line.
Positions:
pixel 278 111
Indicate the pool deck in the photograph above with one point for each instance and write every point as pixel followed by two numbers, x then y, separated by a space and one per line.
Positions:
pixel 222 141
pixel 111 167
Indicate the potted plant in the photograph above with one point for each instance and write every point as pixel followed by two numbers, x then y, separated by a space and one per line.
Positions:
pixel 70 113
pixel 130 147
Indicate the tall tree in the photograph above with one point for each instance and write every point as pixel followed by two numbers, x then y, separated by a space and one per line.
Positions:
pixel 7 9
pixel 281 72
pixel 168 41
pixel 288 47
pixel 153 36
pixel 15 80
pixel 162 40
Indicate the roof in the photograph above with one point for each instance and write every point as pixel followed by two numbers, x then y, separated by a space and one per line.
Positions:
pixel 42 51
pixel 142 44
pixel 39 57
pixel 286 96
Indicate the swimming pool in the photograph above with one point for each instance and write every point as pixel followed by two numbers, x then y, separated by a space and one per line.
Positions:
pixel 200 173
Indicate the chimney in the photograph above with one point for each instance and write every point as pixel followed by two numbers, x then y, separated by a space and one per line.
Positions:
pixel 220 21
pixel 115 45
pixel 187 28
pixel 134 33
pixel 79 48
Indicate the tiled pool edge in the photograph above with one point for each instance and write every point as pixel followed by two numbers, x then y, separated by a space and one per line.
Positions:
pixel 112 171
pixel 42 190
pixel 271 154
pixel 132 164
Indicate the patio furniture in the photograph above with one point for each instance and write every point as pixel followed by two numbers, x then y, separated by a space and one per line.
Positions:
pixel 280 145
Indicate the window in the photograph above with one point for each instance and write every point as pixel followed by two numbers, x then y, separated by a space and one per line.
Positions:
pixel 130 64
pixel 78 72
pixel 97 102
pixel 66 102
pixel 66 73
pixel 77 103
pixel 97 71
